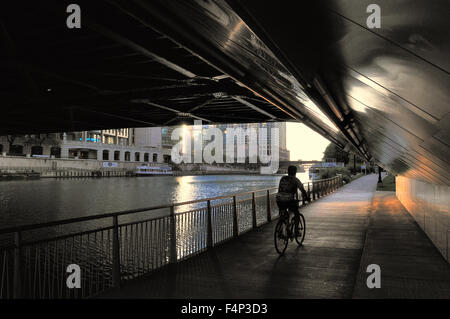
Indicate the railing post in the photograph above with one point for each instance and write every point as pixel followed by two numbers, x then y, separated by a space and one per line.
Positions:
pixel 314 190
pixel 309 192
pixel 235 219
pixel 254 210
pixel 209 235
pixel 303 200
pixel 116 253
pixel 173 236
pixel 269 214
pixel 17 280
pixel 318 189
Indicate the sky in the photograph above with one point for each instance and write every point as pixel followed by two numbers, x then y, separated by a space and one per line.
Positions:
pixel 304 143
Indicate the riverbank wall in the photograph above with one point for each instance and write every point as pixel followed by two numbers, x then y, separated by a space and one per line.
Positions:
pixel 13 167
pixel 16 167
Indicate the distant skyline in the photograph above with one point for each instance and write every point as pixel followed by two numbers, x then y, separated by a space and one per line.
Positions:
pixel 304 143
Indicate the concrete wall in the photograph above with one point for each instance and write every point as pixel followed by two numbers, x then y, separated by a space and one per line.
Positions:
pixel 42 164
pixel 429 205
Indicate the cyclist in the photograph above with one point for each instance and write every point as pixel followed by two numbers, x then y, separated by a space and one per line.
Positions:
pixel 287 197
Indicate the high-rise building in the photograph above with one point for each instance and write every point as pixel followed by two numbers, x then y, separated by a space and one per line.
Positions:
pixel 161 137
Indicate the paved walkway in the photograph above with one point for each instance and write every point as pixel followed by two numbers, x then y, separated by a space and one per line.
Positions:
pixel 411 267
pixel 330 264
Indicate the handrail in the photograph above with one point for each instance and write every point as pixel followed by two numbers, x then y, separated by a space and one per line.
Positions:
pixel 127 212
pixel 122 251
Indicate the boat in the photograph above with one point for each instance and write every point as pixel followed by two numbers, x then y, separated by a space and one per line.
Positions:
pixel 153 170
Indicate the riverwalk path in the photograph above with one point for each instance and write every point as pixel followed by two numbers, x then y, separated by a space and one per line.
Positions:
pixel 345 232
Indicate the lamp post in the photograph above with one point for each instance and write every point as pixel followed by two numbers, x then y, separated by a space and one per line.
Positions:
pixel 379 174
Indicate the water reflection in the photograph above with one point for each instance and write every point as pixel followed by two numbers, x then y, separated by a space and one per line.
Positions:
pixel 25 202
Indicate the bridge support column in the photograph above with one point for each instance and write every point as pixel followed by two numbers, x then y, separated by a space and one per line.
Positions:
pixel 99 155
pixel 64 152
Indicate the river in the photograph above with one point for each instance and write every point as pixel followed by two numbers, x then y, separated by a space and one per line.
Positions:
pixel 36 201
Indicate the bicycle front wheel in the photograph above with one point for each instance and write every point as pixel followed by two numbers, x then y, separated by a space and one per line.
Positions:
pixel 281 237
pixel 302 230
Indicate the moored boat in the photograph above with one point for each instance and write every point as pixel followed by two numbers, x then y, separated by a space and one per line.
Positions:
pixel 153 170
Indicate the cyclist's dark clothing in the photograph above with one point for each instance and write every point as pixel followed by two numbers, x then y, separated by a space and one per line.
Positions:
pixel 289 185
pixel 287 195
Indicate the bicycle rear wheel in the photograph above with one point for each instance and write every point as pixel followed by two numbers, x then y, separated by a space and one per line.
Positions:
pixel 301 235
pixel 280 236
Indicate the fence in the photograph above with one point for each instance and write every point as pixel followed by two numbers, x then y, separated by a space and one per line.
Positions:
pixel 65 172
pixel 121 251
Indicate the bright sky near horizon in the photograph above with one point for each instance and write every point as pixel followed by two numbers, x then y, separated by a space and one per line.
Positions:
pixel 304 143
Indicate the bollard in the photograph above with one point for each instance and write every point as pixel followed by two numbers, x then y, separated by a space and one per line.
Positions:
pixel 254 210
pixel 173 236
pixel 17 280
pixel 269 214
pixel 209 236
pixel 116 253
pixel 235 219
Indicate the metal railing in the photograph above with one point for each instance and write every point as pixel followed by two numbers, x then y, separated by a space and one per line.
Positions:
pixel 119 251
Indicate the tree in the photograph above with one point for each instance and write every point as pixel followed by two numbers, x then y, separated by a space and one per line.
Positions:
pixel 39 139
pixel 333 151
pixel 11 139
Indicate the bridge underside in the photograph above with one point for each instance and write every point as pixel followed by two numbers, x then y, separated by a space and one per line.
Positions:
pixel 383 93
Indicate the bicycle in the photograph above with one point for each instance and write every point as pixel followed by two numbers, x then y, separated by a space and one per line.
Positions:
pixel 285 230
